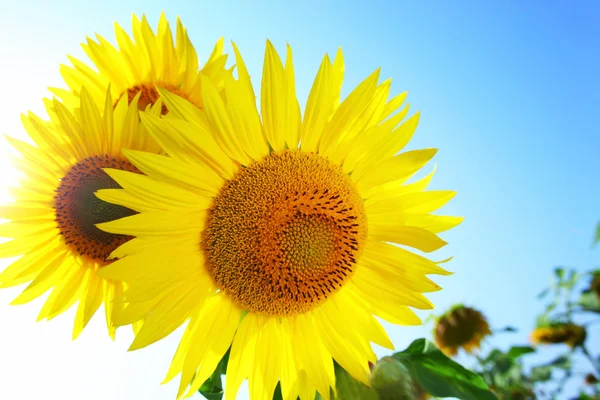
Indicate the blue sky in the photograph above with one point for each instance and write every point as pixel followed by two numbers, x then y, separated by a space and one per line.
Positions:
pixel 508 92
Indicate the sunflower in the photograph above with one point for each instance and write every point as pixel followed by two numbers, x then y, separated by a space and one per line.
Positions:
pixel 52 219
pixel 570 334
pixel 141 64
pixel 461 327
pixel 277 237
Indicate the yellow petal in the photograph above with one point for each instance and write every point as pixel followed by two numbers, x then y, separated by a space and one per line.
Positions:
pixel 223 127
pixel 400 167
pixel 319 106
pixel 167 316
pixel 51 274
pixel 417 238
pixel 194 177
pixel 279 106
pixel 90 301
pixel 156 191
pixel 159 223
pixel 419 202
pixel 212 338
pixel 241 358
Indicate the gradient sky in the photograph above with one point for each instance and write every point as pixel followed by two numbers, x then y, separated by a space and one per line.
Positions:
pixel 509 93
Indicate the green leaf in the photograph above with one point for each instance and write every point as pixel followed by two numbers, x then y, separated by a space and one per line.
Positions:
pixel 550 307
pixel 597 237
pixel 570 282
pixel 349 388
pixel 440 376
pixel 517 351
pixel 589 301
pixel 211 391
pixel 494 356
pixel 562 362
pixel 212 388
pixel 278 395
pixel 541 374
pixel 559 272
pixel 543 294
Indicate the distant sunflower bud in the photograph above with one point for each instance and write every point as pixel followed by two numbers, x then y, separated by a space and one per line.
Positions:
pixel 461 327
pixel 570 334
pixel 590 379
pixel 392 380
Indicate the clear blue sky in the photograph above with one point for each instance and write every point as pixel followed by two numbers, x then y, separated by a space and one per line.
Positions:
pixel 509 92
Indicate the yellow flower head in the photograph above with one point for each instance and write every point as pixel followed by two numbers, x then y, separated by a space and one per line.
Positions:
pixel 571 334
pixel 51 222
pixel 139 64
pixel 277 236
pixel 461 327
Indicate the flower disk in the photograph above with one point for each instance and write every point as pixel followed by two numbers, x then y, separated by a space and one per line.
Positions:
pixel 461 327
pixel 78 210
pixel 284 233
pixel 571 334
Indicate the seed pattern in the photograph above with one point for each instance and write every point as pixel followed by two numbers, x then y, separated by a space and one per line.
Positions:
pixel 78 210
pixel 284 233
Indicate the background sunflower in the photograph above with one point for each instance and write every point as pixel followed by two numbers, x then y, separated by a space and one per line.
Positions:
pixel 51 222
pixel 139 63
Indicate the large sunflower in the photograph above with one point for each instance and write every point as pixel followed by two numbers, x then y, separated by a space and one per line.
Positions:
pixel 276 238
pixel 141 64
pixel 52 219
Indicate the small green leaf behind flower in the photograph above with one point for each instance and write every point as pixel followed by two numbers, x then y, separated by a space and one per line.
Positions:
pixel 212 388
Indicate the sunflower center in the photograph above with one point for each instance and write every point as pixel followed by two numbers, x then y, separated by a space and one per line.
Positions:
pixel 284 233
pixel 78 210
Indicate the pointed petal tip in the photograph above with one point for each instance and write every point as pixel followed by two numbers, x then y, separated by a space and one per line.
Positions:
pixel 76 333
pixel 136 345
